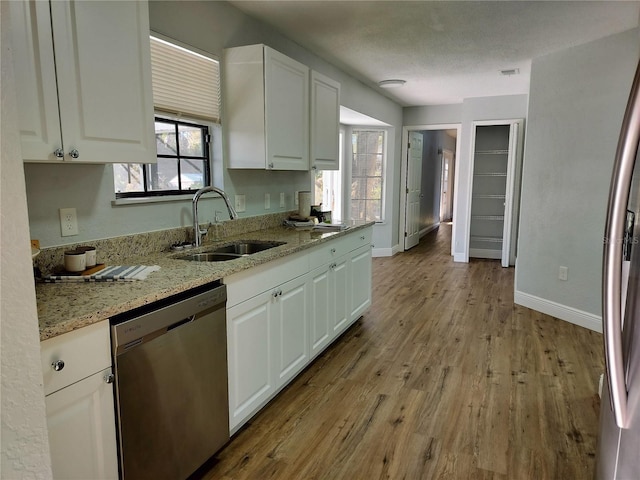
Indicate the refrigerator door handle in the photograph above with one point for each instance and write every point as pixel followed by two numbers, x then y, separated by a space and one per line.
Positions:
pixel 612 259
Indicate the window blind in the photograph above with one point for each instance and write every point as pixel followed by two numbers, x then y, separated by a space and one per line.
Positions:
pixel 184 82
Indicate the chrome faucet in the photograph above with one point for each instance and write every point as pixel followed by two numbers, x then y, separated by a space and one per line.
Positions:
pixel 197 232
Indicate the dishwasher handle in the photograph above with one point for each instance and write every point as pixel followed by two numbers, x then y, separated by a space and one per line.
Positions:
pixel 181 322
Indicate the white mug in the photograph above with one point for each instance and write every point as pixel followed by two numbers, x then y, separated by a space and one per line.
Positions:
pixel 75 260
pixel 90 253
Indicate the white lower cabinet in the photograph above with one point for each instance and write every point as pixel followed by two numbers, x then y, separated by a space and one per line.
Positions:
pixel 360 281
pixel 295 314
pixel 82 435
pixel 267 346
pixel 79 403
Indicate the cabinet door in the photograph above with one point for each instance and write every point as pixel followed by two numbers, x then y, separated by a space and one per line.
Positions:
pixel 322 310
pixel 35 75
pixel 360 281
pixel 340 291
pixel 325 122
pixel 104 80
pixel 82 430
pixel 287 112
pixel 291 345
pixel 250 353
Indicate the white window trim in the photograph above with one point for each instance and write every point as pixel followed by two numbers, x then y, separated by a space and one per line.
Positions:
pixel 347 175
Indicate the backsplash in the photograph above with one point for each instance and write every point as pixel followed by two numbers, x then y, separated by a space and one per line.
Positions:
pixel 119 249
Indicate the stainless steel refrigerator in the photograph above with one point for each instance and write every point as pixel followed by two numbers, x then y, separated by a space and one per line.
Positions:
pixel 618 451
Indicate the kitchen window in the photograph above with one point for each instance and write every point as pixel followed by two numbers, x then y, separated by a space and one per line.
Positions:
pixel 186 97
pixel 368 149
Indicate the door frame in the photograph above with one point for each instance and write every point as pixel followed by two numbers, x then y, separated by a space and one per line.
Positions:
pixel 513 172
pixel 403 175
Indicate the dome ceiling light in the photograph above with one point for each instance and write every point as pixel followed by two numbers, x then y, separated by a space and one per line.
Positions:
pixel 391 83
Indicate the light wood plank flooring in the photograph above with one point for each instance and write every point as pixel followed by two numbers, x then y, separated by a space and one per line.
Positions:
pixel 443 378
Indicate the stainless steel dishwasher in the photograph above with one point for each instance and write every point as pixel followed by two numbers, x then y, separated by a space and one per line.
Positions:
pixel 172 405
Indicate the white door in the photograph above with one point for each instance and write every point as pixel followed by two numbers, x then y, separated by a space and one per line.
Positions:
pixel 290 314
pixel 414 178
pixel 446 196
pixel 508 203
pixel 82 429
pixel 286 86
pixel 249 339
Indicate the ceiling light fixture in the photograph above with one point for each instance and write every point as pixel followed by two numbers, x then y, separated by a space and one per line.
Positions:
pixel 391 83
pixel 510 71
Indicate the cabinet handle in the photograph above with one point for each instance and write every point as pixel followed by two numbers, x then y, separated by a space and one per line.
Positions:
pixel 74 153
pixel 270 165
pixel 59 153
pixel 109 378
pixel 362 237
pixel 314 168
pixel 57 365
pixel 333 250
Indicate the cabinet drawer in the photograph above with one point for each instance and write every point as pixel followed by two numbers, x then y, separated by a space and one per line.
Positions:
pixel 254 281
pixel 331 250
pixel 84 352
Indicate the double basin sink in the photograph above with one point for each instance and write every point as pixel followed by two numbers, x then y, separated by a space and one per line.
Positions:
pixel 230 251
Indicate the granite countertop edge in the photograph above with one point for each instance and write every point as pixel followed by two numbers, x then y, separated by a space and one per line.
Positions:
pixel 64 307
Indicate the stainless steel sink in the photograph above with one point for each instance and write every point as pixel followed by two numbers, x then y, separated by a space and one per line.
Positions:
pixel 246 248
pixel 230 251
pixel 210 257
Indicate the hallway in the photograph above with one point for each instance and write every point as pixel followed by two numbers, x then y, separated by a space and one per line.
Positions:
pixel 443 377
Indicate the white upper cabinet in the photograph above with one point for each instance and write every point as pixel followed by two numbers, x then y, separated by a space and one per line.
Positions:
pixel 90 99
pixel 266 109
pixel 325 122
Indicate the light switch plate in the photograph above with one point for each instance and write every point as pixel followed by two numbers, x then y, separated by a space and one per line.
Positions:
pixel 295 198
pixel 240 203
pixel 281 199
pixel 68 222
pixel 267 201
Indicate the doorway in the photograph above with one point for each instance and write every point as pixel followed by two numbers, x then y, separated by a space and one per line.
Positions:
pixel 428 180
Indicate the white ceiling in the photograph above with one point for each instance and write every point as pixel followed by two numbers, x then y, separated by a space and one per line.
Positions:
pixel 445 50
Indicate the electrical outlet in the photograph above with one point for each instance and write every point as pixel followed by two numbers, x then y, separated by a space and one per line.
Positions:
pixel 267 201
pixel 240 203
pixel 68 222
pixel 563 273
pixel 281 199
pixel 295 198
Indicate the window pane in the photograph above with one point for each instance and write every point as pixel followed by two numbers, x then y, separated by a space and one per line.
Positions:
pixel 166 138
pixel 374 188
pixel 359 166
pixel 358 188
pixel 191 141
pixel 357 209
pixel 128 177
pixel 374 142
pixel 160 175
pixel 192 175
pixel 373 210
pixel 374 165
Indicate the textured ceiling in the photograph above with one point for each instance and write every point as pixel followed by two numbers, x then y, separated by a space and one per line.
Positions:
pixel 445 50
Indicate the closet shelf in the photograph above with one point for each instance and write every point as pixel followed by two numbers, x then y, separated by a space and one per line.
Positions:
pixel 491 152
pixel 486 239
pixel 488 217
pixel 482 195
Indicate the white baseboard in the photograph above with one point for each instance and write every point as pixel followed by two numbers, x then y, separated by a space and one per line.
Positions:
pixel 429 229
pixel 485 253
pixel 386 252
pixel 563 312
pixel 460 258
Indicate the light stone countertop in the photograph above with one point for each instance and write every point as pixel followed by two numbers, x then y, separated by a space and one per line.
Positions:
pixel 63 307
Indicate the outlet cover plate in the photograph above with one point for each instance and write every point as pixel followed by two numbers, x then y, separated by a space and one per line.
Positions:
pixel 281 199
pixel 240 201
pixel 267 201
pixel 68 222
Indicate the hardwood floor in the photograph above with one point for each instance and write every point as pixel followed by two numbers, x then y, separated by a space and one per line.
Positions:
pixel 443 378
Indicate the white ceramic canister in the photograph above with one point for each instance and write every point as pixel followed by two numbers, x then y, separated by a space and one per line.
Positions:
pixel 75 261
pixel 90 253
pixel 304 203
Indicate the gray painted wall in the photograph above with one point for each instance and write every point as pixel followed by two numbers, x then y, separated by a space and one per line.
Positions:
pixel 209 26
pixel 576 104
